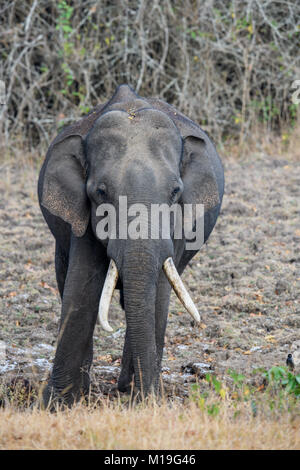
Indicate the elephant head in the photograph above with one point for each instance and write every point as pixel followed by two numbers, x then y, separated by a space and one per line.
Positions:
pixel 150 153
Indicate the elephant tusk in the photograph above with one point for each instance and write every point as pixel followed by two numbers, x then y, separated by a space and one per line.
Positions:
pixel 106 296
pixel 179 288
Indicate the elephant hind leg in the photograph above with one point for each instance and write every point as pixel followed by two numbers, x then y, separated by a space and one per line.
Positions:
pixel 61 267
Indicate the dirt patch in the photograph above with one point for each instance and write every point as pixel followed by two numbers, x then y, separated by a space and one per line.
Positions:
pixel 245 282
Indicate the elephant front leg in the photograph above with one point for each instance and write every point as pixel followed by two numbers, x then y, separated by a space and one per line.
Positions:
pixel 85 278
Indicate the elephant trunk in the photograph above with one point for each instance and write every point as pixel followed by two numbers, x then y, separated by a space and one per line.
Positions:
pixel 140 271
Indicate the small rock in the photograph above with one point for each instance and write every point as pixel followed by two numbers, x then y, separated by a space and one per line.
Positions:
pixel 52 325
pixel 208 349
pixel 293 321
pixel 223 355
pixel 278 163
pixel 182 346
pixel 255 349
pixel 198 368
pixel 238 208
pixel 281 286
pixel 295 349
pixel 213 331
pixel 260 283
pixel 295 345
pixel 296 357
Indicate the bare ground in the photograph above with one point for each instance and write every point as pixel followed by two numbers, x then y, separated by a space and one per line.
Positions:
pixel 245 282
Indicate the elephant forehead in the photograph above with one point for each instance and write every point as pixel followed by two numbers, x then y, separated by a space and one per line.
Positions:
pixel 135 124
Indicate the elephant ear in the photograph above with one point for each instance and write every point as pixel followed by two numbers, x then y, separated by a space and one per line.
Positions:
pixel 197 173
pixel 64 192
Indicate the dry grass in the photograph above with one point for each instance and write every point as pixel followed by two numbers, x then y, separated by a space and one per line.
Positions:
pixel 167 426
pixel 284 145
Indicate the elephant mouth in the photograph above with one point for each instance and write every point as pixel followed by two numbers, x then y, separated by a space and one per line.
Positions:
pixel 172 276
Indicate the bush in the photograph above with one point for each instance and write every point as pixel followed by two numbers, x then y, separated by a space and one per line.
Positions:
pixel 228 65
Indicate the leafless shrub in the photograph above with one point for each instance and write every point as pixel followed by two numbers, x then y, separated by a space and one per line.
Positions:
pixel 228 65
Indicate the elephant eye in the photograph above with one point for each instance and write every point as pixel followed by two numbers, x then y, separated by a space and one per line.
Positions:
pixel 175 191
pixel 101 191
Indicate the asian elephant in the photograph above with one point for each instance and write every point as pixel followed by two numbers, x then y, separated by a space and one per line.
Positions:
pixel 148 151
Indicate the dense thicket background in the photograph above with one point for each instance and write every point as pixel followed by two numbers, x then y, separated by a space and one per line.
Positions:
pixel 229 65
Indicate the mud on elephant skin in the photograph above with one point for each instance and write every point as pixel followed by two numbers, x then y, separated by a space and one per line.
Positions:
pixel 148 151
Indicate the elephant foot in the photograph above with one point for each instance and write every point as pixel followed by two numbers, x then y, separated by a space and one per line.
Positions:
pixel 126 378
pixel 54 398
pixel 126 382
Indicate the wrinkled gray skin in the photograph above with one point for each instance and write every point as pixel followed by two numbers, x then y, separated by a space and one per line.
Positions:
pixel 146 150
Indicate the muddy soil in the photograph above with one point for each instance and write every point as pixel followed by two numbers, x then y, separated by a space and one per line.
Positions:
pixel 245 282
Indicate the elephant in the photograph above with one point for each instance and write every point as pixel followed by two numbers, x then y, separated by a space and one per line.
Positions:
pixel 147 151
